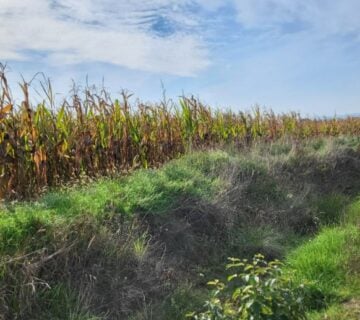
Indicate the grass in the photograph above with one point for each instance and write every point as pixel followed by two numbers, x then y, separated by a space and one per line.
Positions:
pixel 145 191
pixel 353 216
pixel 157 191
pixel 90 199
pixel 346 311
pixel 326 266
pixel 94 216
pixel 330 263
pixel 271 242
pixel 141 245
pixel 324 260
pixel 184 299
pixel 19 221
pixel 144 235
pixel 63 304
pixel 329 209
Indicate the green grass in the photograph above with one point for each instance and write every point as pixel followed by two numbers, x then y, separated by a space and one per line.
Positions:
pixel 145 191
pixel 353 213
pixel 91 199
pixel 324 260
pixel 157 191
pixel 330 264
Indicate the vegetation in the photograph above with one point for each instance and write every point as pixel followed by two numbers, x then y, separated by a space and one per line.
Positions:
pixel 330 264
pixel 255 290
pixel 325 261
pixel 132 247
pixel 89 134
pixel 322 274
pixel 80 240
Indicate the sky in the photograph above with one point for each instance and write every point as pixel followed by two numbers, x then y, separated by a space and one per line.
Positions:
pixel 298 55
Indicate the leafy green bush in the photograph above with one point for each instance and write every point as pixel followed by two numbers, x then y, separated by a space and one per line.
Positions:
pixel 253 291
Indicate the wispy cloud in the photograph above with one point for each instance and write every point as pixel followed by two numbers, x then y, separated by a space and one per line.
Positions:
pixel 163 36
pixel 123 33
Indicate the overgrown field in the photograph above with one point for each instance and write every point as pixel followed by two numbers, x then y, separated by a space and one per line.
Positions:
pixel 143 246
pixel 90 134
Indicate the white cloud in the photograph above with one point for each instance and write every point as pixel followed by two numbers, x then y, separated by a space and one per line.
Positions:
pixel 128 32
pixel 70 31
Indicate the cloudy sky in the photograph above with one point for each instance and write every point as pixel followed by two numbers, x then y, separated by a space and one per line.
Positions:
pixel 301 55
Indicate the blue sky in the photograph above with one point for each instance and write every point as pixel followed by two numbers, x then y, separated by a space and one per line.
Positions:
pixel 301 55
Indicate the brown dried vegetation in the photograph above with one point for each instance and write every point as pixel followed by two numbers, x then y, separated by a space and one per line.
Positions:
pixel 46 144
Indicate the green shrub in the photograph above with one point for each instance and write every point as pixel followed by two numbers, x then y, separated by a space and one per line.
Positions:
pixel 254 290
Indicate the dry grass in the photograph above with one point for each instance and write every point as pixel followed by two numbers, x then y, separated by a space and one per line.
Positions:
pixel 81 270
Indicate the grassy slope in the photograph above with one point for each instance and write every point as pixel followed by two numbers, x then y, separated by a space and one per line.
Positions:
pixel 93 210
pixel 143 191
pixel 331 263
pixel 259 201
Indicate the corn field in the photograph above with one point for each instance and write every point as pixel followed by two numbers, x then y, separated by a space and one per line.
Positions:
pixel 47 144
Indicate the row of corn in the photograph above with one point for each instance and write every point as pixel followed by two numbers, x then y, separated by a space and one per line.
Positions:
pixel 89 134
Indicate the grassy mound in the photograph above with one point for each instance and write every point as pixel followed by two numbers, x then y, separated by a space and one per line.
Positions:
pixel 132 248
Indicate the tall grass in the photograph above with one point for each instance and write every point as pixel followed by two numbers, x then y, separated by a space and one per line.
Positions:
pixel 90 134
